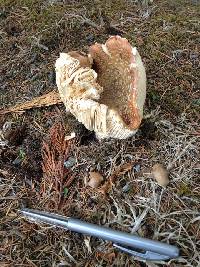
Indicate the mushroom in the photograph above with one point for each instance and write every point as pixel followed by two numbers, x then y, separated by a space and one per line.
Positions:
pixel 160 174
pixel 95 179
pixel 106 89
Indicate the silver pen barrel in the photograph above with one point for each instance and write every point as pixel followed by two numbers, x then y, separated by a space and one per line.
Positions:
pixel 122 238
pixel 46 217
pixel 117 237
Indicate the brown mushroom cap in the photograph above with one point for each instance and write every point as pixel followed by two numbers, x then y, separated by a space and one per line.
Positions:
pixel 115 64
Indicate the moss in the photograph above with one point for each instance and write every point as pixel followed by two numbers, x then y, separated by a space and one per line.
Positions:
pixel 153 96
pixel 111 7
pixel 184 190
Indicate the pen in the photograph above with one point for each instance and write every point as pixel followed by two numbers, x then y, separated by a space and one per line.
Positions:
pixel 136 246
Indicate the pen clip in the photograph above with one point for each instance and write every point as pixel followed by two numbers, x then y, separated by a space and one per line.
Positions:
pixel 147 255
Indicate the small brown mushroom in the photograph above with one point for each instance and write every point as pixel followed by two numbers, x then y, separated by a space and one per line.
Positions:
pixel 95 179
pixel 160 174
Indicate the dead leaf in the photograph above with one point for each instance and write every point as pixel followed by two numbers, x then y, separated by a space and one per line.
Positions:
pixel 48 99
pixel 160 174
pixel 109 257
pixel 118 172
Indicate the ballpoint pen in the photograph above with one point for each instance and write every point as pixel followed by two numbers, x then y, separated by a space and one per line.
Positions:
pixel 140 247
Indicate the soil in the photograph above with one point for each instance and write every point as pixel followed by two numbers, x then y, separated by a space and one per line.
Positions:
pixel 33 33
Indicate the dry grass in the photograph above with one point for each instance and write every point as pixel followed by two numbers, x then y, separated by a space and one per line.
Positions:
pixel 33 34
pixel 135 204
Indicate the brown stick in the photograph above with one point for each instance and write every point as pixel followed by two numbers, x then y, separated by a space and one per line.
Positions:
pixel 48 99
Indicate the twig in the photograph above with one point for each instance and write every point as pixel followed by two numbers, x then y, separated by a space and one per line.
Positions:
pixel 83 20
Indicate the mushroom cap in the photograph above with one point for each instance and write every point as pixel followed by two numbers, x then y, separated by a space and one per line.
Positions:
pixel 106 89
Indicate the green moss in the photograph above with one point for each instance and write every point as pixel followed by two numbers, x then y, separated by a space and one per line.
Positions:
pixel 22 154
pixel 20 3
pixel 111 7
pixel 184 190
pixel 153 96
